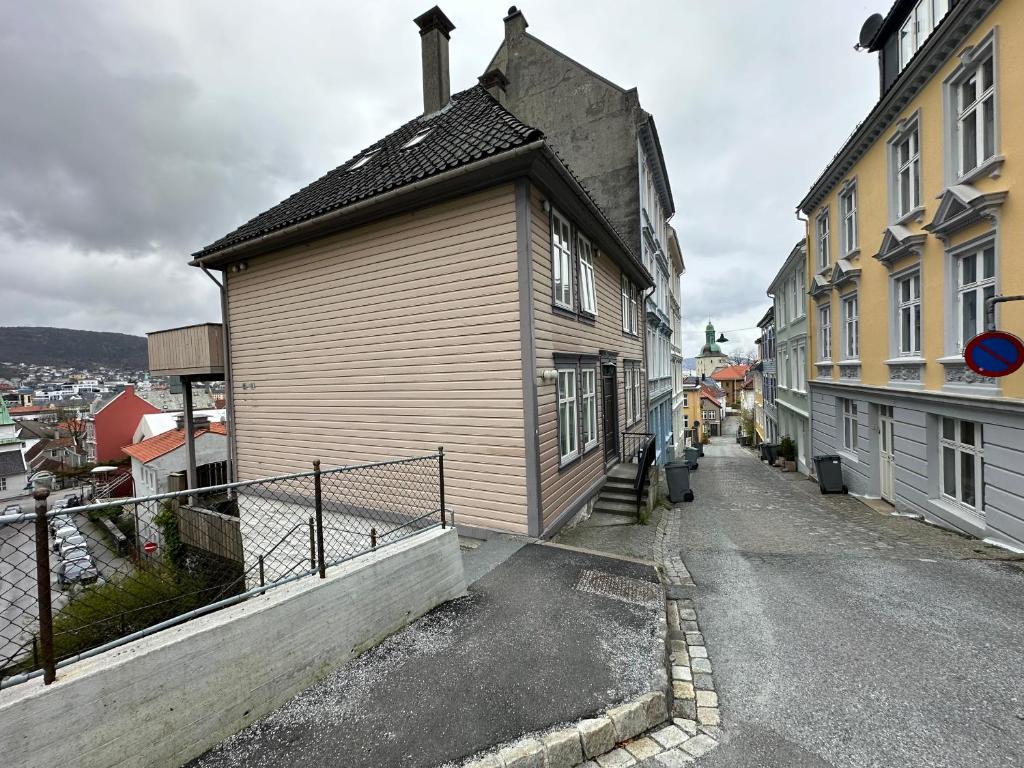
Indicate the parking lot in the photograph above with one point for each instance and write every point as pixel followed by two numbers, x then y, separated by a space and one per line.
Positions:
pixel 18 611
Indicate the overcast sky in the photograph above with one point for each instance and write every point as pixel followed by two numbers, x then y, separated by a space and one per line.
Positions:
pixel 134 133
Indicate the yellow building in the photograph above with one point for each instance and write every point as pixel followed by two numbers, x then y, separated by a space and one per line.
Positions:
pixel 910 228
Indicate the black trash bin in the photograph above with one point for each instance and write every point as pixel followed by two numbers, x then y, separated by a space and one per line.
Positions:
pixel 691 458
pixel 769 452
pixel 678 475
pixel 829 470
pixel 700 448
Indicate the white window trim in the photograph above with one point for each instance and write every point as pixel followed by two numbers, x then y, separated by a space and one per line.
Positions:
pixel 848 232
pixel 588 278
pixel 561 260
pixel 905 129
pixel 587 372
pixel 825 334
pixel 850 352
pixel 571 403
pixel 850 426
pixel 970 60
pixel 822 237
pixel 978 288
pixel 899 305
pixel 958 447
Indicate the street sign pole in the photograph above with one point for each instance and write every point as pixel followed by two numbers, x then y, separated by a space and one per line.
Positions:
pixel 990 308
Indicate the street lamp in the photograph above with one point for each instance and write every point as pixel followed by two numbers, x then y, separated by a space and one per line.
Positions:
pixel 722 339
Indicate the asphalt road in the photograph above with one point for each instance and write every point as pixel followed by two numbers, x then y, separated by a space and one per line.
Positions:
pixel 843 637
pixel 525 650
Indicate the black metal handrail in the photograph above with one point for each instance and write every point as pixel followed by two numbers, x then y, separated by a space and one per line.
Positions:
pixel 647 455
pixel 633 445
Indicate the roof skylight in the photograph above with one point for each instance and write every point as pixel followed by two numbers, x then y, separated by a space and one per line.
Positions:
pixel 417 138
pixel 363 160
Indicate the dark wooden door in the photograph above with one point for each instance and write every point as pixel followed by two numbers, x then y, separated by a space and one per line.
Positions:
pixel 611 411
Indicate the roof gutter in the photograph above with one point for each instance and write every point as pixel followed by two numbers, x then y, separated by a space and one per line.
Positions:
pixel 356 212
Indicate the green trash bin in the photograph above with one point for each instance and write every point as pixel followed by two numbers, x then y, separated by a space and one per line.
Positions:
pixel 678 475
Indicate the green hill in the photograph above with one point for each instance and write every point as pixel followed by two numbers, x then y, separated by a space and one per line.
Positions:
pixel 68 347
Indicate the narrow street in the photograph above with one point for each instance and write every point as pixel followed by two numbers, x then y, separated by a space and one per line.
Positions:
pixel 841 636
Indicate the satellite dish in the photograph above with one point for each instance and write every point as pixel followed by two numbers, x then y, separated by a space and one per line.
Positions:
pixel 869 30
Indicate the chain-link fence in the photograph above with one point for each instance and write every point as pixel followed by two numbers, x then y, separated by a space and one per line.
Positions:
pixel 76 580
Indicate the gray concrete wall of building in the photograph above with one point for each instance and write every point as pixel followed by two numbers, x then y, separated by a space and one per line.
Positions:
pixel 591 122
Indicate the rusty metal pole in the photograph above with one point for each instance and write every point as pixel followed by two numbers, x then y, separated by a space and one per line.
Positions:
pixel 373 538
pixel 262 582
pixel 49 664
pixel 440 477
pixel 319 505
pixel 312 544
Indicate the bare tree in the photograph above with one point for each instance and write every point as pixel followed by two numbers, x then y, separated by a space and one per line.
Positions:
pixel 71 423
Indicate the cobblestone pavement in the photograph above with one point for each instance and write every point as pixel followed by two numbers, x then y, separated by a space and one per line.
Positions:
pixel 844 637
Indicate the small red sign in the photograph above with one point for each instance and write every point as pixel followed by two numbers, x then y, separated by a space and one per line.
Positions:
pixel 149 547
pixel 994 354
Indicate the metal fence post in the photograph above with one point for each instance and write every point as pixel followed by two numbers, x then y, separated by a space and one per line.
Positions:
pixel 312 544
pixel 373 538
pixel 49 664
pixel 440 478
pixel 319 505
pixel 262 581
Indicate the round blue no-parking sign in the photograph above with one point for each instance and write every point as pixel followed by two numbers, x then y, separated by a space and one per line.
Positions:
pixel 994 354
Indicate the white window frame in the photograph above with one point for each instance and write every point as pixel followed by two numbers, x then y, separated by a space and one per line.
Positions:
pixel 851 326
pixel 638 399
pixel 908 312
pixel 961 450
pixel 979 289
pixel 561 260
pixel 588 396
pixel 800 362
pixel 824 332
pixel 851 424
pixel 629 306
pixel 982 109
pixel 905 172
pixel 848 218
pixel 800 293
pixel 822 230
pixel 588 283
pixel 568 415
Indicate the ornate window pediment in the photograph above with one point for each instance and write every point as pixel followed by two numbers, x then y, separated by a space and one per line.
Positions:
pixel 961 206
pixel 819 285
pixel 843 272
pixel 897 242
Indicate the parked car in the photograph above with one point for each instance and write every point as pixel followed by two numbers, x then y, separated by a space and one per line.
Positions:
pixel 61 521
pixel 76 572
pixel 62 533
pixel 12 509
pixel 59 504
pixel 72 542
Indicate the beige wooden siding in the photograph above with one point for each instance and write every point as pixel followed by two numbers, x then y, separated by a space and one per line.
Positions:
pixel 386 341
pixel 556 333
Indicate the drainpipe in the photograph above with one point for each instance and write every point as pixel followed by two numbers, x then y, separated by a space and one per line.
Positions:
pixel 810 365
pixel 229 400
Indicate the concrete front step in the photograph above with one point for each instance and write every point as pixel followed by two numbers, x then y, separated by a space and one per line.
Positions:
pixel 627 471
pixel 615 507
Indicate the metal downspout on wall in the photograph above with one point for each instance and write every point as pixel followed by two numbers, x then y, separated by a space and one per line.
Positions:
pixel 229 400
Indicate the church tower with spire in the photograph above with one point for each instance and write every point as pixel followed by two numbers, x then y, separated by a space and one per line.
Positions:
pixel 711 356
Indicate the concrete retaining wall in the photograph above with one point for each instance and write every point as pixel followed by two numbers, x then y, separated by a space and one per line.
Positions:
pixel 167 698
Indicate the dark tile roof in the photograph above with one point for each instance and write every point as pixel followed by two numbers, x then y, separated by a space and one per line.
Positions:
pixel 471 127
pixel 11 463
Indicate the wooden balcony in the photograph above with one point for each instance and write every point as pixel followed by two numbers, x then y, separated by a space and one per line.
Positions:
pixel 196 351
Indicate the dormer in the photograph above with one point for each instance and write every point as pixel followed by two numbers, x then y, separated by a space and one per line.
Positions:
pixel 899 35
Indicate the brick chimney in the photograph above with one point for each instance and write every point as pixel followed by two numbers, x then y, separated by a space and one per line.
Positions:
pixel 515 25
pixel 435 28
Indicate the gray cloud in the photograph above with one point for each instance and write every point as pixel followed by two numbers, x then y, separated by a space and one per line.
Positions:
pixel 135 133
